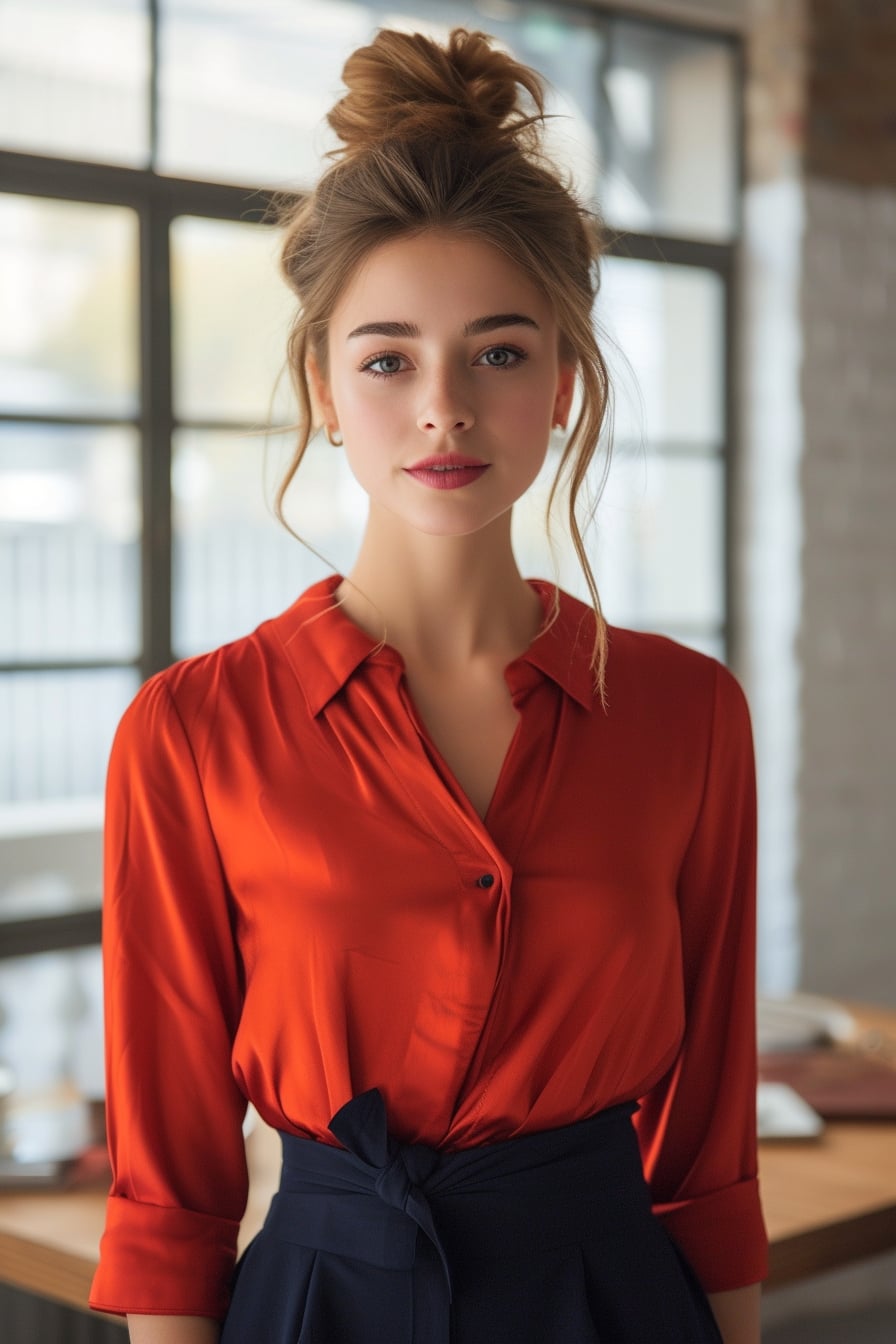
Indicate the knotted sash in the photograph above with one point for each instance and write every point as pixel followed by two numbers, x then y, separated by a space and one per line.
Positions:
pixel 374 1199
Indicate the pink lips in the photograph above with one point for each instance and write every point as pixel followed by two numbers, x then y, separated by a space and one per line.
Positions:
pixel 447 471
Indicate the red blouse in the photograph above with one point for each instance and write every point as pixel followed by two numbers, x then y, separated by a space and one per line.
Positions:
pixel 301 903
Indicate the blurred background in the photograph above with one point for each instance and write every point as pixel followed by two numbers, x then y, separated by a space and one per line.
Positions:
pixel 743 155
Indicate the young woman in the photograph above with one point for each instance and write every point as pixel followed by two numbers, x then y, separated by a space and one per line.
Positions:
pixel 448 878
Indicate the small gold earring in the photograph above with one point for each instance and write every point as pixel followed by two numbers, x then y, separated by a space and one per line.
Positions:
pixel 332 439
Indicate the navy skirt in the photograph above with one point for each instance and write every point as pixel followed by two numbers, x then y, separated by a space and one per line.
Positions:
pixel 545 1239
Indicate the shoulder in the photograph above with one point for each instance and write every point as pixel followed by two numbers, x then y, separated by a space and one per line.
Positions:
pixel 193 694
pixel 658 679
pixel 680 696
pixel 235 693
pixel 180 689
pixel 667 667
pixel 157 730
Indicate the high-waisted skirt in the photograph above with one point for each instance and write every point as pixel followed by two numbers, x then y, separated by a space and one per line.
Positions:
pixel 544 1239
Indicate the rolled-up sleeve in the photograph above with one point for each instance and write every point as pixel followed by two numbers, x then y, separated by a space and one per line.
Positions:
pixel 698 1125
pixel 173 995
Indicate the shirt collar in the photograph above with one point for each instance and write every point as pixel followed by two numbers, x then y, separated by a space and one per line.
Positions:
pixel 326 648
pixel 563 650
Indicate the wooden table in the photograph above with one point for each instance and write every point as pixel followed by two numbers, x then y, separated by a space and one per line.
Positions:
pixel 827 1203
pixel 831 1201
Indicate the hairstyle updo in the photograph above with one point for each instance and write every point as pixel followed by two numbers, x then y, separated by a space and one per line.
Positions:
pixel 449 137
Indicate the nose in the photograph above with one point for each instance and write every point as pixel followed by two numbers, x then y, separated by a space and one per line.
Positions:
pixel 445 405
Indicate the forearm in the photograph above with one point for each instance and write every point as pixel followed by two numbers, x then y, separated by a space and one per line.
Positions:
pixel 737 1314
pixel 173 1330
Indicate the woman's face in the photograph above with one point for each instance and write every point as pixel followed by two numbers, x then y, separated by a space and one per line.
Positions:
pixel 444 381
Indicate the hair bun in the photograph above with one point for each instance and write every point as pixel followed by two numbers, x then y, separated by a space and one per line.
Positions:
pixel 408 86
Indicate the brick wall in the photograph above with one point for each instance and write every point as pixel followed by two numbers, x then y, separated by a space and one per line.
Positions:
pixel 847 640
pixel 818 496
pixel 851 93
pixel 818 514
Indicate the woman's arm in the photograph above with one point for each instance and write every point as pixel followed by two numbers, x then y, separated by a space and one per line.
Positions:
pixel 173 1330
pixel 173 990
pixel 737 1314
pixel 697 1126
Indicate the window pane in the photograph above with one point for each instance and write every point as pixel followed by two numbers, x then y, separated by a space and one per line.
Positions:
pixel 231 315
pixel 668 322
pixel 69 543
pixel 68 307
pixel 75 79
pixel 51 1037
pixel 52 857
pixel 59 727
pixel 671 133
pixel 656 545
pixel 252 110
pixel 659 554
pixel 234 565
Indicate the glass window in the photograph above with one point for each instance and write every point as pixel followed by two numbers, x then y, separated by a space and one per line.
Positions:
pixel 671 132
pixel 75 78
pixel 250 108
pixel 69 543
pixel 253 108
pixel 51 1020
pixel 658 549
pixel 659 538
pixel 68 307
pixel 231 315
pixel 656 544
pixel 58 728
pixel 643 117
pixel 52 858
pixel 233 563
pixel 667 322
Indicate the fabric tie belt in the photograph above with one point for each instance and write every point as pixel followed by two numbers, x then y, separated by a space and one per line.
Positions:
pixel 451 1215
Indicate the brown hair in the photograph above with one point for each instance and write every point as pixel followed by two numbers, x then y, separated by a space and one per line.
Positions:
pixel 441 137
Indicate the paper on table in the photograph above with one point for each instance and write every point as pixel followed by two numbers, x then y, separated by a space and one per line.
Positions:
pixel 782 1114
pixel 798 1021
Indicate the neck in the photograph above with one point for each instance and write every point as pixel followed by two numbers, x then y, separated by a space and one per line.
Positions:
pixel 441 600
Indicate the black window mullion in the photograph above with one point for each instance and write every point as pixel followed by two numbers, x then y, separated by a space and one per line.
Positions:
pixel 664 249
pixel 156 423
pixel 153 83
pixel 50 933
pixel 68 665
pixel 87 420
pixel 731 463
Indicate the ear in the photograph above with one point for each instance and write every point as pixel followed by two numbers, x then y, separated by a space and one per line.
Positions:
pixel 321 400
pixel 566 385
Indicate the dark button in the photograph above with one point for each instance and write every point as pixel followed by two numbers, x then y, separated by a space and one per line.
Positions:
pixel 486 880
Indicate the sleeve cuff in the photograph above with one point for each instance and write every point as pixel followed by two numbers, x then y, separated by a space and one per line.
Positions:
pixel 164 1261
pixel 722 1236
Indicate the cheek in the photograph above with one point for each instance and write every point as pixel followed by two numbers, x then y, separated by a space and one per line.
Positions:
pixel 530 414
pixel 368 406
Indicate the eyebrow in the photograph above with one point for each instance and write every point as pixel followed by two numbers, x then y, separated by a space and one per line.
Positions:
pixel 478 327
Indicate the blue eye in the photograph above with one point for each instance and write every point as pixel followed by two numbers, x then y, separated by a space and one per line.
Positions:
pixel 389 365
pixel 503 357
